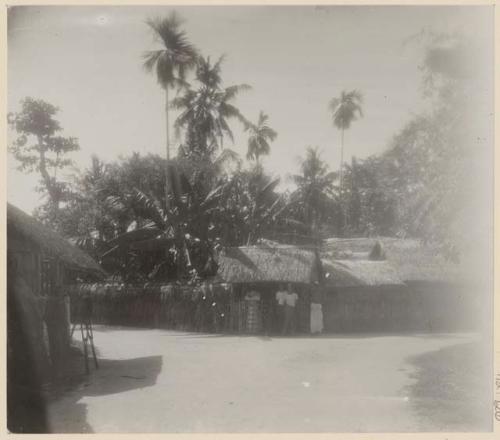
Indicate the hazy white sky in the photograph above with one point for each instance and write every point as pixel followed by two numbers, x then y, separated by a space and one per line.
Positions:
pixel 87 61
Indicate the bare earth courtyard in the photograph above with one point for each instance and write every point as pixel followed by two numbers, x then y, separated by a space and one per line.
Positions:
pixel 165 381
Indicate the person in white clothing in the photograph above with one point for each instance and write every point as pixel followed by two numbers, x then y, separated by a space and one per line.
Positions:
pixel 316 309
pixel 280 300
pixel 281 295
pixel 291 299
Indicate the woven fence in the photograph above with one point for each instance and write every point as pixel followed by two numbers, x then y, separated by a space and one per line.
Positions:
pixel 210 308
pixel 190 308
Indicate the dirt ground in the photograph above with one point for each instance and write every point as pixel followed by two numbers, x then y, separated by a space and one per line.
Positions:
pixel 165 381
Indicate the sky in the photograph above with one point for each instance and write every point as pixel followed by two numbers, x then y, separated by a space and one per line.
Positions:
pixel 86 60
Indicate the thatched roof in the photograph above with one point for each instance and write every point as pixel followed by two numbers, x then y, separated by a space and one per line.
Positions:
pixel 411 260
pixel 271 263
pixel 49 241
pixel 359 273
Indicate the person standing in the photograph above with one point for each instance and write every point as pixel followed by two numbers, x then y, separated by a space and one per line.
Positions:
pixel 316 309
pixel 280 310
pixel 291 299
pixel 254 318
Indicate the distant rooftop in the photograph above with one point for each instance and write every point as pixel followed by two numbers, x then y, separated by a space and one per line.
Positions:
pixel 409 258
pixel 268 263
pixel 359 273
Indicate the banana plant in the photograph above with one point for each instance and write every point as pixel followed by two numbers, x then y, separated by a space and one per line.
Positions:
pixel 169 236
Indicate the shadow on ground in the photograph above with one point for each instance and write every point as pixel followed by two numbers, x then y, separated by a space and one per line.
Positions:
pixel 112 377
pixel 118 376
pixel 452 388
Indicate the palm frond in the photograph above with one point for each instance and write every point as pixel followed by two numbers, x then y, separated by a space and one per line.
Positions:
pixel 333 104
pixel 269 188
pixel 87 243
pixel 225 156
pixel 232 91
pixel 133 236
pixel 148 207
pixel 209 74
pixel 225 127
pixel 355 96
pixel 212 197
pixel 260 134
pixel 113 251
pixel 270 210
pixel 346 108
pixel 178 54
pixel 150 59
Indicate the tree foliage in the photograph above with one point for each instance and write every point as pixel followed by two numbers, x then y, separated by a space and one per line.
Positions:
pixel 435 166
pixel 370 208
pixel 205 110
pixel 40 148
pixel 260 135
pixel 316 196
pixel 176 56
pixel 346 108
pixel 424 185
pixel 118 216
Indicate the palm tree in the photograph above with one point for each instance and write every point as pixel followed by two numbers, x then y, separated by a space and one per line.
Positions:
pixel 208 74
pixel 345 109
pixel 171 63
pixel 260 136
pixel 315 193
pixel 205 111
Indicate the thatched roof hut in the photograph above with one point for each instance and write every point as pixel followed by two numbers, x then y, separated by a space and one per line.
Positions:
pixel 359 273
pixel 269 263
pixel 21 224
pixel 411 260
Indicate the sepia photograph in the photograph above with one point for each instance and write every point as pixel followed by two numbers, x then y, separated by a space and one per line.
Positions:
pixel 250 219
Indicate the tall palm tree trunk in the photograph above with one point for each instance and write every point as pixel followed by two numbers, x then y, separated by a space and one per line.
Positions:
pixel 167 182
pixel 179 233
pixel 341 159
pixel 341 177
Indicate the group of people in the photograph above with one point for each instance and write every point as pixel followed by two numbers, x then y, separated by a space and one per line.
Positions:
pixel 286 300
pixel 214 309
